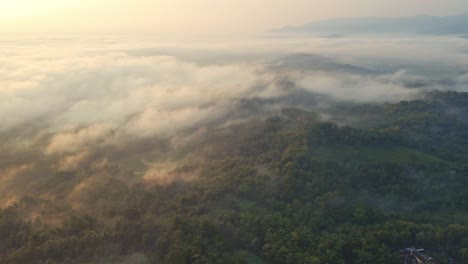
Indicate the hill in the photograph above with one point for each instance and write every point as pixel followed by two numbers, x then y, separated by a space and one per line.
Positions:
pixel 424 25
pixel 292 188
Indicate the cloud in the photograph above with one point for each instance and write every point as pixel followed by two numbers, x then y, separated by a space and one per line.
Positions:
pixel 73 162
pixel 83 91
pixel 7 176
pixel 69 104
pixel 382 88
pixel 79 140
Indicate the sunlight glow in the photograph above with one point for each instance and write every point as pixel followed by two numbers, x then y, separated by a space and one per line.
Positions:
pixel 21 9
pixel 195 17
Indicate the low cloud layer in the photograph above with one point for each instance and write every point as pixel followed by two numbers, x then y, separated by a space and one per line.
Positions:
pixel 75 102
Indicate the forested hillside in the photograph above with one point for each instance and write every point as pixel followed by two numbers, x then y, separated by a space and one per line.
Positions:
pixel 292 188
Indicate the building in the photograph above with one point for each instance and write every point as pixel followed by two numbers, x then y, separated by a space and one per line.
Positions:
pixel 416 256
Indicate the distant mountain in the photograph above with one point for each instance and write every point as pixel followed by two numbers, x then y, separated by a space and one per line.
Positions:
pixel 426 25
pixel 313 62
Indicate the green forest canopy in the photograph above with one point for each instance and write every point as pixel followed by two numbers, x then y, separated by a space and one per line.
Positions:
pixel 291 189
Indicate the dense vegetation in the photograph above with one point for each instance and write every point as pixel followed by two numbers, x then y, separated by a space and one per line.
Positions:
pixel 291 189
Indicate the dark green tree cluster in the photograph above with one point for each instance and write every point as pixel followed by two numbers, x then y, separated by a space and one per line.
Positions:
pixel 288 190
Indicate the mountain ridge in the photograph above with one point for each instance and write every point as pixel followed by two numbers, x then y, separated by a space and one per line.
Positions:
pixel 420 25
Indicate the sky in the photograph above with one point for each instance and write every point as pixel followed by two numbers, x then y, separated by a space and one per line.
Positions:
pixel 197 17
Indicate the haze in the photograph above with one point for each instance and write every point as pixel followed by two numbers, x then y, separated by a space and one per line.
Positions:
pixel 222 131
pixel 196 18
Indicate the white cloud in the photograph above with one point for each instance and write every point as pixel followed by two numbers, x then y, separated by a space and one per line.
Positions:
pixel 378 89
pixel 79 140
pixel 92 92
pixel 75 102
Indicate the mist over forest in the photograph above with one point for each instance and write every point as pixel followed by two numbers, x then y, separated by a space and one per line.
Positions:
pixel 273 150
